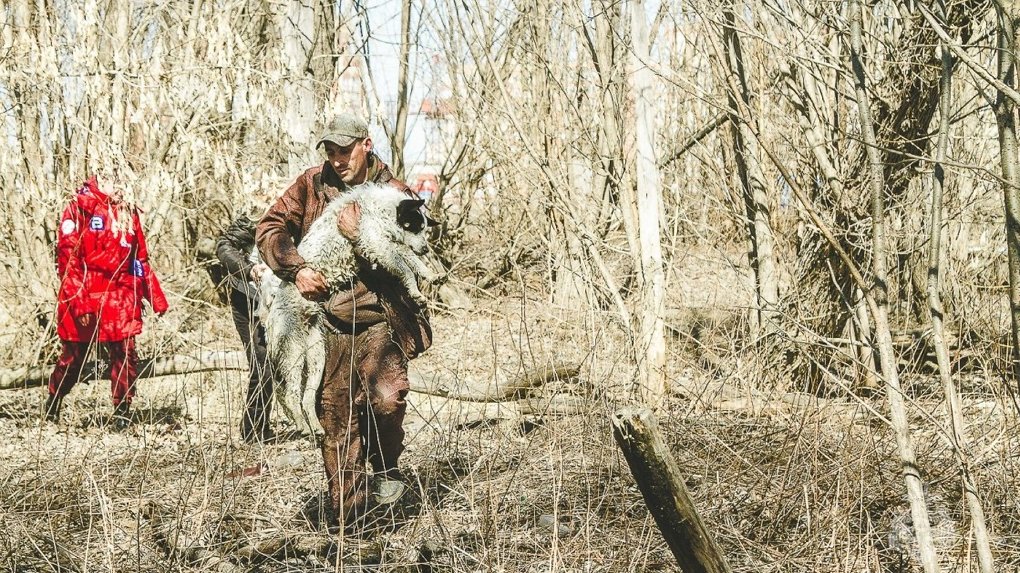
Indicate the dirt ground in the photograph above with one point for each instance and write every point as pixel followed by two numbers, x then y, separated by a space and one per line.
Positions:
pixel 176 488
pixel 786 480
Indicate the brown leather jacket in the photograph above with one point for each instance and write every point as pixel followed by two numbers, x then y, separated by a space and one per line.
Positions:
pixel 375 296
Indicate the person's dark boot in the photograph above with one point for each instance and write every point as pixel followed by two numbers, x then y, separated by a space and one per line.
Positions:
pixel 263 435
pixel 51 411
pixel 121 418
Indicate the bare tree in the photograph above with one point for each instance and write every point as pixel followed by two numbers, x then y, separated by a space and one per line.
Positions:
pixel 954 406
pixel 887 353
pixel 398 134
pixel 608 60
pixel 1005 119
pixel 116 56
pixel 906 98
pixel 752 180
pixel 296 23
pixel 651 354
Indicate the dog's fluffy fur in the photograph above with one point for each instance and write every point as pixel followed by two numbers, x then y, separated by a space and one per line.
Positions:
pixel 391 234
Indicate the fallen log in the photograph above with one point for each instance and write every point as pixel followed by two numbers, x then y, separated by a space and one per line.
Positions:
pixel 555 405
pixel 441 384
pixel 29 377
pixel 666 496
pixel 451 413
pixel 435 384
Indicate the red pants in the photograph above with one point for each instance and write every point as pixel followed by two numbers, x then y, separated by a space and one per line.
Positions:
pixel 123 368
pixel 363 390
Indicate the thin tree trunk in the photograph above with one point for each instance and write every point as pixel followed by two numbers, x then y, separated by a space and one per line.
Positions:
pixel 26 92
pixel 593 160
pixel 296 23
pixel 119 49
pixel 573 288
pixel 752 180
pixel 324 55
pixel 607 55
pixel 609 23
pixel 398 138
pixel 866 351
pixel 1005 118
pixel 953 405
pixel 887 357
pixel 651 350
pixel 570 271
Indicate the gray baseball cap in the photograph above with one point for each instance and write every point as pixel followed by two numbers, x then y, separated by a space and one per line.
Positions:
pixel 344 130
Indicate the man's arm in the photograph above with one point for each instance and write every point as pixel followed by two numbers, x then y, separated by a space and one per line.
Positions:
pixel 70 268
pixel 274 234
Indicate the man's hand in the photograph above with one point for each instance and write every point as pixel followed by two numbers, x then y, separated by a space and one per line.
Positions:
pixel 311 284
pixel 348 221
pixel 257 271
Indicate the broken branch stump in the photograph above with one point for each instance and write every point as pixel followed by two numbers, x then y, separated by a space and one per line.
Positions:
pixel 666 496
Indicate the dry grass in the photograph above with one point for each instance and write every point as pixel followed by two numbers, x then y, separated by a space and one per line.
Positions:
pixel 789 482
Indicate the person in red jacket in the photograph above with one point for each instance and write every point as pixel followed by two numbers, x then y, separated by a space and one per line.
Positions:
pixel 103 265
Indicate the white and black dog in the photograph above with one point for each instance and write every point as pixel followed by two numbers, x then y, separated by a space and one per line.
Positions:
pixel 391 234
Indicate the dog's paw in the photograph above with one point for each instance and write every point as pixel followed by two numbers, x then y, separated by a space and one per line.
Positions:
pixel 419 299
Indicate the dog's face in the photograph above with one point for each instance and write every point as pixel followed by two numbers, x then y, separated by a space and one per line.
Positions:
pixel 413 222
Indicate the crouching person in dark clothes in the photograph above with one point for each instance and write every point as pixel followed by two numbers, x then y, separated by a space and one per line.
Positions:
pixel 375 327
pixel 234 250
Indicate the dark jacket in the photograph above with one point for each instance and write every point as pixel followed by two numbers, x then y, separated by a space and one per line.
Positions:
pixel 375 297
pixel 234 249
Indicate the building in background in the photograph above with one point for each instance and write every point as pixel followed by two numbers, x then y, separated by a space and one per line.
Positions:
pixel 430 137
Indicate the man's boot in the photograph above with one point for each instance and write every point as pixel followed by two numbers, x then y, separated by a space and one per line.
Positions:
pixel 121 416
pixel 388 486
pixel 51 410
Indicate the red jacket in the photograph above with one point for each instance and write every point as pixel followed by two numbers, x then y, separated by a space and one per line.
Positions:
pixel 102 271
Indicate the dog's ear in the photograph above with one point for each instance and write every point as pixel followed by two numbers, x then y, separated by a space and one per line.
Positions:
pixel 409 205
pixel 409 215
pixel 417 204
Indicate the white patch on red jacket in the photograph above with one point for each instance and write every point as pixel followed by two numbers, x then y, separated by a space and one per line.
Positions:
pixel 68 227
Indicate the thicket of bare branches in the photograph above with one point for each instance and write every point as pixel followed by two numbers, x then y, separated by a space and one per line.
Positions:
pixel 849 187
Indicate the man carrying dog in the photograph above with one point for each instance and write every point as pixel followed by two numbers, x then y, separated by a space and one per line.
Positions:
pixel 375 326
